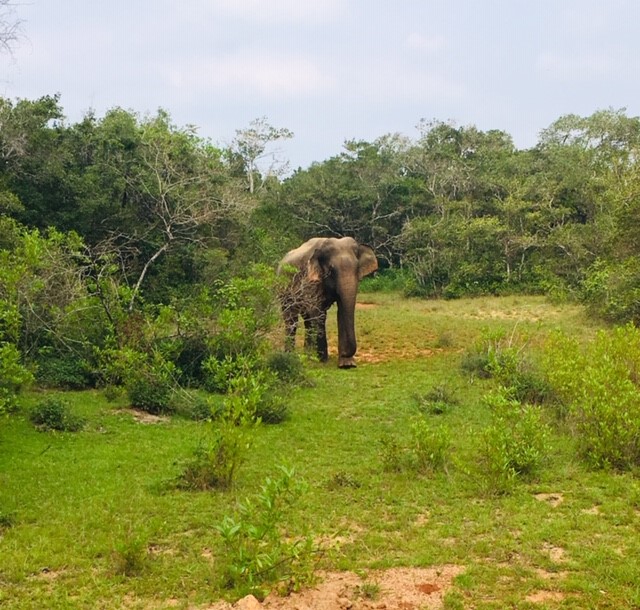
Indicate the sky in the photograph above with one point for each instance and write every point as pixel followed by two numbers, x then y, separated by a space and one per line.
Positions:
pixel 330 70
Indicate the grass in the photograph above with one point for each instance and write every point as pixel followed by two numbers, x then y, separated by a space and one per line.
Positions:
pixel 92 518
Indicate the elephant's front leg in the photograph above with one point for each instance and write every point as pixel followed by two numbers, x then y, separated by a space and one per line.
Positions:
pixel 316 335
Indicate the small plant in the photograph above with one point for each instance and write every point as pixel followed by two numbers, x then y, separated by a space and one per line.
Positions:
pixel 369 590
pixel 430 449
pixel 215 461
pixel 131 556
pixel 55 414
pixel 393 454
pixel 258 554
pixel 437 401
pixel 515 444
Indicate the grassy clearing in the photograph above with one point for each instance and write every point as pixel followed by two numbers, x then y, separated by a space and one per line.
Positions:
pixel 92 519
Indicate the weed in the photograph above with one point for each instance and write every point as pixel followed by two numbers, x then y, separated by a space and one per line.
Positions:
pixel 215 461
pixel 131 556
pixel 437 401
pixel 55 414
pixel 258 554
pixel 369 590
pixel 343 479
pixel 430 446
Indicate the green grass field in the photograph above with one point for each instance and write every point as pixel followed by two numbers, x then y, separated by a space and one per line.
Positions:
pixel 74 506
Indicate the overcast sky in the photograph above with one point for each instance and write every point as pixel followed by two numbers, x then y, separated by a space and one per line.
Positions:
pixel 331 70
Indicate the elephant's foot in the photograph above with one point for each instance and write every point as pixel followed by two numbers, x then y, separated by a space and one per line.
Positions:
pixel 346 363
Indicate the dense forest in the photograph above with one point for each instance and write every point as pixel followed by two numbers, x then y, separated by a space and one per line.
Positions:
pixel 127 239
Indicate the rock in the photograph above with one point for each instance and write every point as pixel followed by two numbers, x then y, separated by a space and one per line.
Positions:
pixel 248 603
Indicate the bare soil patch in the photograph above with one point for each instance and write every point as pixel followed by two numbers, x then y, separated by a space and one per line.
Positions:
pixel 392 589
pixel 145 418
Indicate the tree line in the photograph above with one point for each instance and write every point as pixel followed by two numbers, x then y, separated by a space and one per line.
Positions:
pixel 115 221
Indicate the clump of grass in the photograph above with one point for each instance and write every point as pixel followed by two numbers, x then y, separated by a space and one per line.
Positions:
pixel 131 556
pixel 427 450
pixel 436 401
pixel 343 479
pixel 54 414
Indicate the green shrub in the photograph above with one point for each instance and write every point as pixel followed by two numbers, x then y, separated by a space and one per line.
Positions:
pixel 13 376
pixel 220 373
pixel 150 386
pixel 598 388
pixel 287 366
pixel 215 462
pixel 515 445
pixel 55 414
pixel 257 397
pixel 131 556
pixel 258 555
pixel 64 372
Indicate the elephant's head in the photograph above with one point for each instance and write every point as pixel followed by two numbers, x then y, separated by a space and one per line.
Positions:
pixel 339 265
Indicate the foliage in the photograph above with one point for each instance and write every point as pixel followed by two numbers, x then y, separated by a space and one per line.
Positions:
pixel 13 376
pixel 216 460
pixel 598 388
pixel 504 357
pixel 436 401
pixel 427 451
pixel 66 373
pixel 515 445
pixel 259 553
pixel 150 386
pixel 55 414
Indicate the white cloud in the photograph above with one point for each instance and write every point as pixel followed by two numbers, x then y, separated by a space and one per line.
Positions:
pixel 245 74
pixel 430 44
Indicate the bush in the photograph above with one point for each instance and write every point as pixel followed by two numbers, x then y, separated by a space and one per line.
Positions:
pixel 220 373
pixel 55 414
pixel 515 445
pixel 256 396
pixel 287 366
pixel 598 388
pixel 13 376
pixel 150 387
pixel 66 373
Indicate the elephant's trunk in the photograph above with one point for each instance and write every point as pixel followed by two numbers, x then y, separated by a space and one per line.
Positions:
pixel 346 327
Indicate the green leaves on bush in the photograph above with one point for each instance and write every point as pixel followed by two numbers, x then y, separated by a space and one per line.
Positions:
pixel 150 386
pixel 598 388
pixel 516 444
pixel 259 556
pixel 55 414
pixel 13 376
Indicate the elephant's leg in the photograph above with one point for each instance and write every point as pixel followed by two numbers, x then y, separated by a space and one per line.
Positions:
pixel 315 338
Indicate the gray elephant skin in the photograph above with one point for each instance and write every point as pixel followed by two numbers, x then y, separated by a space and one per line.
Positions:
pixel 323 271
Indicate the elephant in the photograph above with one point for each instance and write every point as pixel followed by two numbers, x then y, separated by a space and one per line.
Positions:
pixel 323 271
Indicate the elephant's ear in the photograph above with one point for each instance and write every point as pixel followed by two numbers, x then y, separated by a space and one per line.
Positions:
pixel 367 261
pixel 314 269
